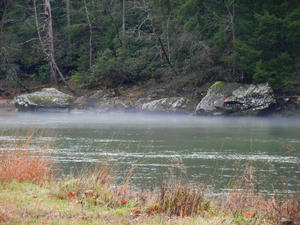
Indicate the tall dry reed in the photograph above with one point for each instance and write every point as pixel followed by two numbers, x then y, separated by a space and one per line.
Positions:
pixel 24 165
pixel 181 199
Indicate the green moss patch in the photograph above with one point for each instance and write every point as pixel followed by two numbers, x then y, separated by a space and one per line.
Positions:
pixel 218 84
pixel 45 100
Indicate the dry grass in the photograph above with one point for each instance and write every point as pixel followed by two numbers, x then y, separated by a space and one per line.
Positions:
pixel 246 202
pixel 289 209
pixel 92 187
pixel 23 165
pixel 181 200
pixel 4 217
pixel 273 210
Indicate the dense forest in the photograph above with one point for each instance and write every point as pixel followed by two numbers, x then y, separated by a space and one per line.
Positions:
pixel 130 42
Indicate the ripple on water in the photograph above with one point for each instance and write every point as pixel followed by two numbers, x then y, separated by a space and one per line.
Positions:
pixel 206 146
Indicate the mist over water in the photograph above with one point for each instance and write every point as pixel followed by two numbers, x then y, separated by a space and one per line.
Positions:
pixel 210 150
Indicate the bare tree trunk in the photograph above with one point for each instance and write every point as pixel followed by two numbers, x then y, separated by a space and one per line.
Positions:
pixel 168 41
pixel 1 32
pixel 232 21
pixel 47 11
pixel 47 42
pixel 91 34
pixel 163 51
pixel 68 24
pixel 2 20
pixel 231 13
pixel 123 22
pixel 52 73
pixel 162 46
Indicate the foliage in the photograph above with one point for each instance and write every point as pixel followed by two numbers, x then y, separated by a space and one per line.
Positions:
pixel 237 40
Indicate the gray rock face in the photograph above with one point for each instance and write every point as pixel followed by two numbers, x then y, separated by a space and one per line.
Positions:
pixel 172 104
pixel 101 101
pixel 89 101
pixel 46 98
pixel 106 101
pixel 225 98
pixel 287 106
pixel 111 104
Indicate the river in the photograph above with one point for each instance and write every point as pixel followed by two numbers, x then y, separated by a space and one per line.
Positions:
pixel 217 152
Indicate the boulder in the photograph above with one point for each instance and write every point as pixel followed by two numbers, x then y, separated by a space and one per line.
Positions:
pixel 103 101
pixel 111 104
pixel 47 98
pixel 89 101
pixel 287 106
pixel 225 98
pixel 171 104
pixel 83 102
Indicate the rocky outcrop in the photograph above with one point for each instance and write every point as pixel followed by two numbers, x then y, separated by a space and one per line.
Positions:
pixel 89 101
pixel 102 101
pixel 47 98
pixel 106 101
pixel 171 104
pixel 109 100
pixel 112 104
pixel 221 98
pixel 227 98
pixel 287 106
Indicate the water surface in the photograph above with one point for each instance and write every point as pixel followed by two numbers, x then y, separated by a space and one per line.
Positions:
pixel 213 151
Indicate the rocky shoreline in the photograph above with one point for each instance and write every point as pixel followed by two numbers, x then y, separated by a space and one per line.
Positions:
pixel 220 99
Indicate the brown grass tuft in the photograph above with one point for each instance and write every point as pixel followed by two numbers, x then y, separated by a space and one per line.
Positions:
pixel 3 216
pixel 91 185
pixel 181 200
pixel 289 209
pixel 246 203
pixel 22 166
pixel 19 163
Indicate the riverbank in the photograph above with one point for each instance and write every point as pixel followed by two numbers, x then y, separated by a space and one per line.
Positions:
pixel 73 201
pixel 30 193
pixel 91 201
pixel 6 103
pixel 217 99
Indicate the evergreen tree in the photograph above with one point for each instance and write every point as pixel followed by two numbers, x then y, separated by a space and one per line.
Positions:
pixel 233 40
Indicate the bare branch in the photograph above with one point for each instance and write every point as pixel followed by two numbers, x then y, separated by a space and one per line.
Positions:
pixel 91 33
pixel 47 42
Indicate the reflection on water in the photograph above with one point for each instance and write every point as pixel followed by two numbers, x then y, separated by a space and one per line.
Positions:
pixel 207 150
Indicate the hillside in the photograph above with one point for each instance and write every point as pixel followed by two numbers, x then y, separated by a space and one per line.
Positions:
pixel 120 44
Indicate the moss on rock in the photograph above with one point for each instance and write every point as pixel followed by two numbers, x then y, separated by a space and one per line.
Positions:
pixel 218 84
pixel 47 97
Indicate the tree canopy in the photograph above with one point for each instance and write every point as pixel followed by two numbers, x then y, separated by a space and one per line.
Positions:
pixel 101 42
